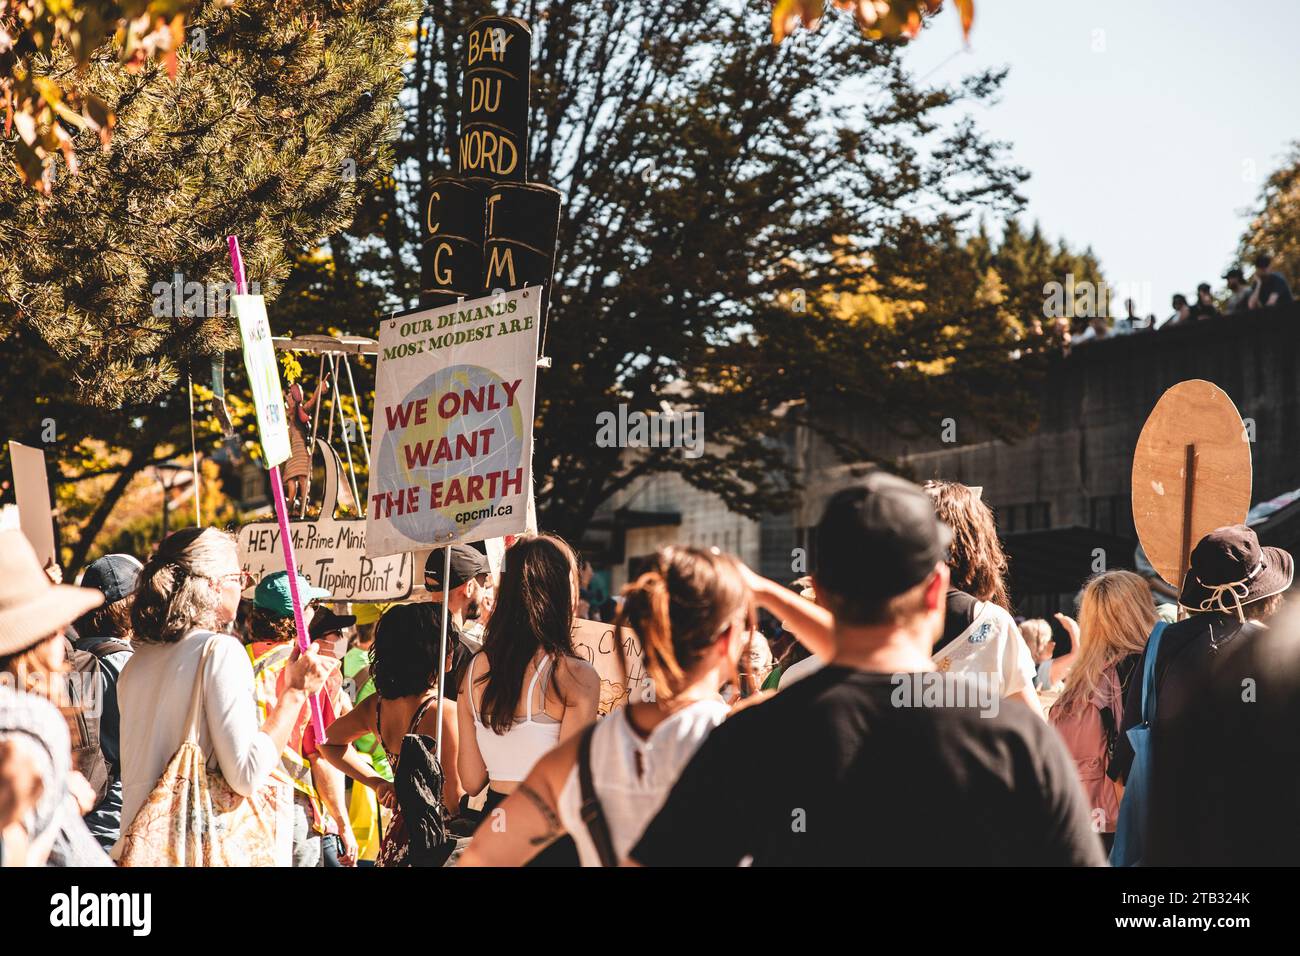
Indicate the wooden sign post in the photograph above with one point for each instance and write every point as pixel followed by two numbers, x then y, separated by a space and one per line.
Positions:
pixel 1191 474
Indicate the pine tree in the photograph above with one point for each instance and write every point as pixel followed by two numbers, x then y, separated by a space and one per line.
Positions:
pixel 279 116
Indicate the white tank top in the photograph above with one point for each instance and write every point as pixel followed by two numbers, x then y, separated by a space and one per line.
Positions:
pixel 632 776
pixel 510 756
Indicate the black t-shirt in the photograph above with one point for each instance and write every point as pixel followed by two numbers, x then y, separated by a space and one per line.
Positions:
pixel 1225 752
pixel 861 781
pixel 1270 284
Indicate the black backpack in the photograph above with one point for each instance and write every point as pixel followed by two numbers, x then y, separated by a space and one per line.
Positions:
pixel 418 784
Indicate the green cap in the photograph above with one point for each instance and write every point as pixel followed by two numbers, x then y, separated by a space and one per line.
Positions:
pixel 272 593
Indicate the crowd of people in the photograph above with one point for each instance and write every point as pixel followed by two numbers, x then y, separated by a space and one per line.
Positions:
pixel 886 710
pixel 1266 289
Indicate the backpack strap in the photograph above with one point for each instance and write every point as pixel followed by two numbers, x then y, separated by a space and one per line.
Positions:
pixel 104 648
pixel 1149 674
pixel 592 813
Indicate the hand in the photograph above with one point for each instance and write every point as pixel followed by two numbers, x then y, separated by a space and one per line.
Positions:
pixel 308 672
pixel 53 572
pixel 348 839
pixel 386 794
pixel 81 790
pixel 753 580
pixel 1071 627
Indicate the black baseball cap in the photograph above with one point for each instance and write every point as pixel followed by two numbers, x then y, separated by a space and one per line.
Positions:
pixel 114 575
pixel 325 621
pixel 878 539
pixel 466 563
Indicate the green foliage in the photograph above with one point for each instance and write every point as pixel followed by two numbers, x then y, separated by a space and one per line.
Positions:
pixel 274 122
pixel 1275 227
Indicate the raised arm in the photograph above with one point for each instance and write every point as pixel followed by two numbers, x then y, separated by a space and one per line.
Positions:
pixel 806 620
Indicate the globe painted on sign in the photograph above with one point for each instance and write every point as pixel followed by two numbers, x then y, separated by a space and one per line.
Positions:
pixel 481 444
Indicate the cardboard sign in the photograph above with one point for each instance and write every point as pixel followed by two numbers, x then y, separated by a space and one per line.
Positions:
pixel 493 138
pixel 617 659
pixel 32 489
pixel 1191 474
pixel 330 551
pixel 263 378
pixel 451 447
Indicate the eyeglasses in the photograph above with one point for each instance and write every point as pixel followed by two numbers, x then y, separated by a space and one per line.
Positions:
pixel 245 579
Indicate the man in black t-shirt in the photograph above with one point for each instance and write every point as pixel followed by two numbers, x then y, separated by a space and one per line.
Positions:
pixel 873 771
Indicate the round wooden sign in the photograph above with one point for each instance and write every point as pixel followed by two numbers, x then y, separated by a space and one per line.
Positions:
pixel 1191 474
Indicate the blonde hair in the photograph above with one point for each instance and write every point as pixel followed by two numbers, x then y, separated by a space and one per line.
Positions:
pixel 1037 633
pixel 1115 619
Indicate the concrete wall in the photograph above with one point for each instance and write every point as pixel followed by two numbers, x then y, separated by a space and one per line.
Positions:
pixel 1091 408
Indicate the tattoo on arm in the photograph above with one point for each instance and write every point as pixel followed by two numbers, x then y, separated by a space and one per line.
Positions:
pixel 554 829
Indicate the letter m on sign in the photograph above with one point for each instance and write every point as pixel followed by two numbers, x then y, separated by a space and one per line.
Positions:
pixel 502 261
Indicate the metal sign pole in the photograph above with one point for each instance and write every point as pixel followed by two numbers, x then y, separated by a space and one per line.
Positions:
pixel 442 648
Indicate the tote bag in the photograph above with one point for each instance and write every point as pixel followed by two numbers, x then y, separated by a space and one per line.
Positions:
pixel 193 817
pixel 1133 809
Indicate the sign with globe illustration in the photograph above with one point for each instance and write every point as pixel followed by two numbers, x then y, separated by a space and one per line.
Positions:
pixel 451 447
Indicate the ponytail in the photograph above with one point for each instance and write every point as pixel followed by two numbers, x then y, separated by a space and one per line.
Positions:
pixel 678 609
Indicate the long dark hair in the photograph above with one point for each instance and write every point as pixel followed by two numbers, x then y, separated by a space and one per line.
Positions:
pixel 977 562
pixel 678 608
pixel 404 659
pixel 534 610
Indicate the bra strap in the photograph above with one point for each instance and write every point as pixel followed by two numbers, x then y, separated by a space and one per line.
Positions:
pixel 533 684
pixel 469 687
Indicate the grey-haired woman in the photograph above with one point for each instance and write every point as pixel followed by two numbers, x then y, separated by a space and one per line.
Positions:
pixel 188 594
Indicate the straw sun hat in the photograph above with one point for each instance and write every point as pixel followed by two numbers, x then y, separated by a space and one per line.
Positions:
pixel 31 608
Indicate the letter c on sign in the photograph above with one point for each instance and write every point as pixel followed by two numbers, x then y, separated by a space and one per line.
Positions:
pixel 433 226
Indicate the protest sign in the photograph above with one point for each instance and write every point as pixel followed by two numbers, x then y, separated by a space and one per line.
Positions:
pixel 330 551
pixel 617 659
pixel 451 446
pixel 263 378
pixel 32 489
pixel 1191 474
pixel 273 430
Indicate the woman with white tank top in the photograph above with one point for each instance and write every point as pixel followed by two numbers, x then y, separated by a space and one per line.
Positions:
pixel 527 689
pixel 692 614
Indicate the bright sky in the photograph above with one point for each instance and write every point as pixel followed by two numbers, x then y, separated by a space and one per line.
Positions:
pixel 1148 126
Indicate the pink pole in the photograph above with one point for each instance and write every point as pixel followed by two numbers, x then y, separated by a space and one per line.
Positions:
pixel 282 517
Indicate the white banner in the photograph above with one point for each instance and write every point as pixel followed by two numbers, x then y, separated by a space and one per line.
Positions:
pixel 263 378
pixel 451 446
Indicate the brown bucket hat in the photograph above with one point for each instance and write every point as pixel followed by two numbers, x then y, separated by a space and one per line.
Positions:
pixel 31 608
pixel 1229 568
